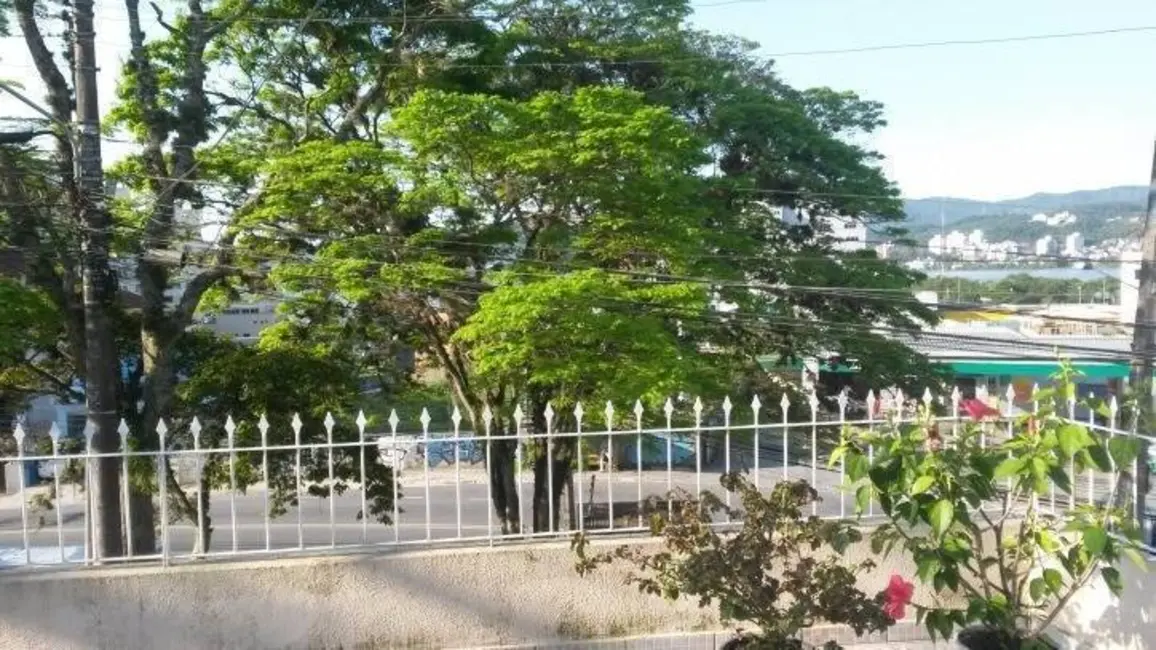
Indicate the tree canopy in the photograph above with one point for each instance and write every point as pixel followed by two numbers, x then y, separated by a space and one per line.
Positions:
pixel 547 199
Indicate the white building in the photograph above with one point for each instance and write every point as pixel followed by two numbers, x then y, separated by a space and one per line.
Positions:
pixel 975 238
pixel 1045 246
pixel 937 245
pixel 849 234
pixel 242 322
pixel 1074 245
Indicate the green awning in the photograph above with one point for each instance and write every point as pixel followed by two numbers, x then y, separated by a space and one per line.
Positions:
pixel 1090 369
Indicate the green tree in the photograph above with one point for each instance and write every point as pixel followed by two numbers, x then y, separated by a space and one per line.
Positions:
pixel 228 381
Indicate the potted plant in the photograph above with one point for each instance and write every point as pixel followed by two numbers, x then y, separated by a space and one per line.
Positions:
pixel 988 513
pixel 774 570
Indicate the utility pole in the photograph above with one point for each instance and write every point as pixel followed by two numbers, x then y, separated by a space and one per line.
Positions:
pixel 98 285
pixel 1144 337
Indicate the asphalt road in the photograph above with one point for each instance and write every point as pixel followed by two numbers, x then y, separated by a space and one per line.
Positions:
pixel 452 512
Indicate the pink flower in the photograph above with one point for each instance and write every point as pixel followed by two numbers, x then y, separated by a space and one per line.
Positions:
pixel 896 597
pixel 977 410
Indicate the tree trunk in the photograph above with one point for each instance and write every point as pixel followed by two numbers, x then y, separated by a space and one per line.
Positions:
pixel 157 394
pixel 504 485
pixel 551 477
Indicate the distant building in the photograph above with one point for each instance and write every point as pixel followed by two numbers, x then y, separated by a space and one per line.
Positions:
pixel 937 245
pixel 242 322
pixel 975 238
pixel 849 234
pixel 1046 246
pixel 1074 245
pixel 883 251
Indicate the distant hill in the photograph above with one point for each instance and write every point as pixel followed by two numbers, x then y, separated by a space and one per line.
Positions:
pixel 927 211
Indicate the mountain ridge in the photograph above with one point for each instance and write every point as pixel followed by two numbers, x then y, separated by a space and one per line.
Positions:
pixel 927 211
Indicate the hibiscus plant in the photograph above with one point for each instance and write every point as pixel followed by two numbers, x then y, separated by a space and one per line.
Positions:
pixel 987 508
pixel 775 570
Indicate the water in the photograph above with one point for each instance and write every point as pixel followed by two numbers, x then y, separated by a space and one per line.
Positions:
pixel 1058 273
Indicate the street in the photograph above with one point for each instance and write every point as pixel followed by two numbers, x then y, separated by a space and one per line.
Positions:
pixel 453 512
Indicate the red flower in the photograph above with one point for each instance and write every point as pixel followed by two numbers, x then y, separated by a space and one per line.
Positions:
pixel 896 597
pixel 977 410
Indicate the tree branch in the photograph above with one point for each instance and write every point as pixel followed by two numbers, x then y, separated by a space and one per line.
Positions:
pixel 196 288
pixel 161 18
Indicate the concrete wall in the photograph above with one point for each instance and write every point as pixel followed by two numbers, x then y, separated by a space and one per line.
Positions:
pixel 444 598
pixel 1099 620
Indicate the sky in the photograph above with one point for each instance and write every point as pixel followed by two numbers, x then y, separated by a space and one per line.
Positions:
pixel 983 121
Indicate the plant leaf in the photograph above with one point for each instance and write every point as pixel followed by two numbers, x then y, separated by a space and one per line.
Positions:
pixel 1054 580
pixel 1009 467
pixel 1112 579
pixel 941 516
pixel 1073 437
pixel 922 484
pixel 1095 540
pixel 1123 450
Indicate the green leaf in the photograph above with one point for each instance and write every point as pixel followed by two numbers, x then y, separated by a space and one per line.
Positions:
pixel 1048 541
pixel 857 466
pixel 1124 450
pixel 1100 457
pixel 927 567
pixel 1095 540
pixel 922 484
pixel 1038 588
pixel 1060 477
pixel 862 499
pixel 885 474
pixel 1009 467
pixel 941 516
pixel 1054 580
pixel 837 454
pixel 1112 579
pixel 1073 437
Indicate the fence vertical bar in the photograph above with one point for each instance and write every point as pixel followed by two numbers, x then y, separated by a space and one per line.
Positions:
pixel 578 413
pixel 296 425
pixel 263 427
pixel 362 449
pixel 956 397
pixel 668 409
pixel 727 406
pixel 487 423
pixel 518 455
pixel 19 435
pixel 57 467
pixel 456 419
pixel 89 542
pixel 1072 460
pixel 395 472
pixel 813 401
pixel 842 401
pixel 231 437
pixel 785 405
pixel 610 464
pixel 195 429
pixel 425 420
pixel 126 496
pixel 1010 396
pixel 1091 470
pixel 1113 412
pixel 755 406
pixel 872 409
pixel 162 481
pixel 638 455
pixel 548 414
pixel 698 450
pixel 329 423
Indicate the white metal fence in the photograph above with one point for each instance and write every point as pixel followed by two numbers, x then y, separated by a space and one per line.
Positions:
pixel 267 490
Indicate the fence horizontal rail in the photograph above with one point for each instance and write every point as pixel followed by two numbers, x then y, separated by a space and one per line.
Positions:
pixel 294 489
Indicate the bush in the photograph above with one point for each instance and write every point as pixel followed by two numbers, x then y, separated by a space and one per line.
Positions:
pixel 775 570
